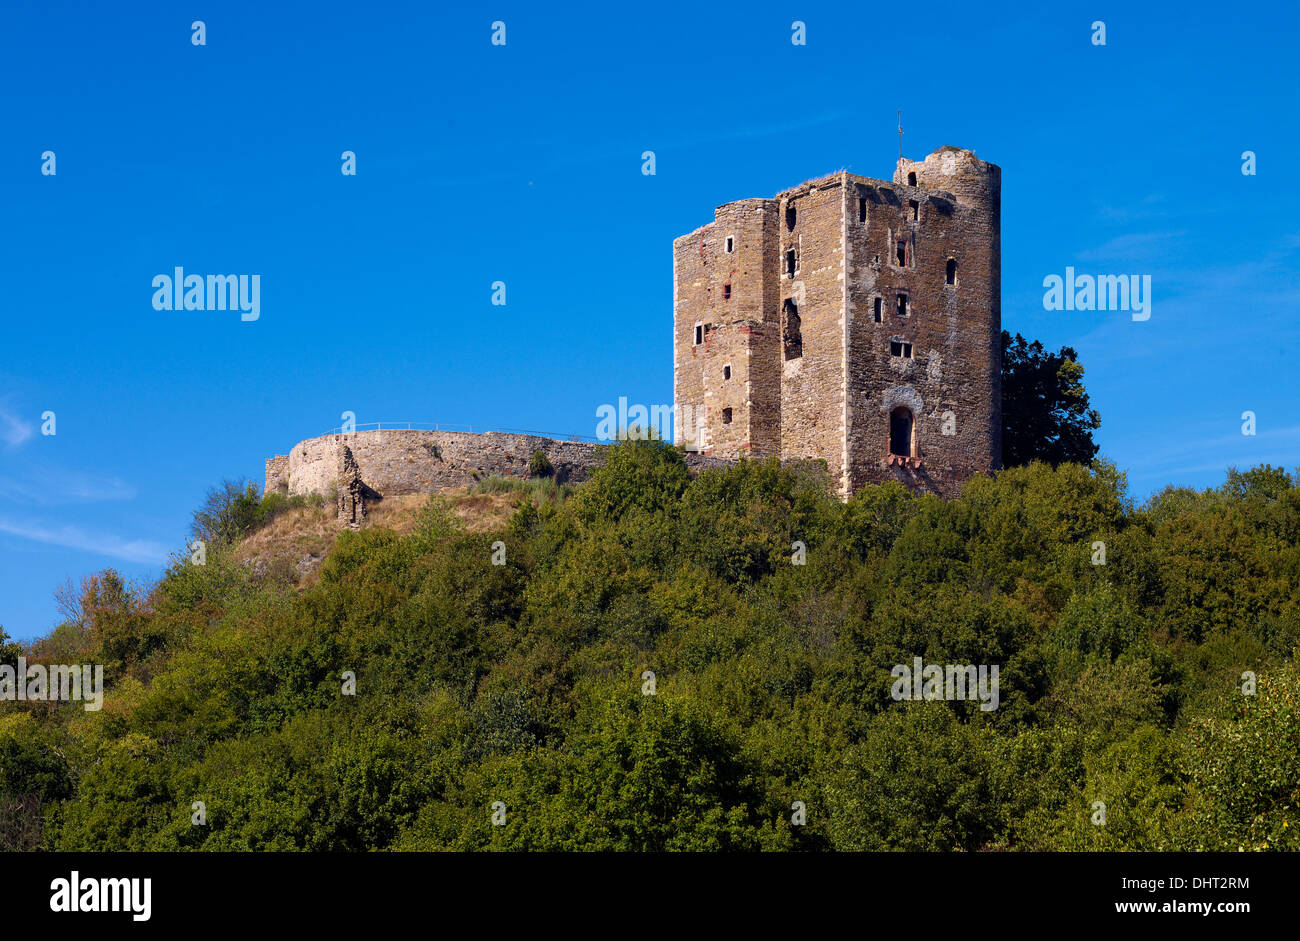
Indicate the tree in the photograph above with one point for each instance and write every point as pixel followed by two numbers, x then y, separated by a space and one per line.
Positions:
pixel 228 512
pixel 10 650
pixel 1245 776
pixel 1045 413
pixel 637 476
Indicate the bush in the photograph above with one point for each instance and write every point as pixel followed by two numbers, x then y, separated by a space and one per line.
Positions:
pixel 539 465
pixel 522 682
pixel 233 510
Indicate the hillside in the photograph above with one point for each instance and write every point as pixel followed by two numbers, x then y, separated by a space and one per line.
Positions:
pixel 521 690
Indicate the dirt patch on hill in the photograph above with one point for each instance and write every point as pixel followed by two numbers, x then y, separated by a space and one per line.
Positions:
pixel 294 544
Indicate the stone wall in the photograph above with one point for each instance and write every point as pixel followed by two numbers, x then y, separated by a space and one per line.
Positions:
pixel 953 382
pixel 724 357
pixel 376 464
pixel 277 473
pixel 791 305
pixel 812 383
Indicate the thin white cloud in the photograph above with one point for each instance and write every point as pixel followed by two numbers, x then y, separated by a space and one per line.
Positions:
pixel 1228 444
pixel 1218 453
pixel 1147 208
pixel 45 486
pixel 1195 297
pixel 13 430
pixel 1131 247
pixel 73 537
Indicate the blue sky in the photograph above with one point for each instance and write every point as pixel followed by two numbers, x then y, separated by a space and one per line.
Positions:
pixel 522 163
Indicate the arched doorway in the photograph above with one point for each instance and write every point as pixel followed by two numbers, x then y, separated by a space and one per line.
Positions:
pixel 901 440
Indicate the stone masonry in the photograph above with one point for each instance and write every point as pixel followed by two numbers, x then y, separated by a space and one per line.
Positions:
pixel 351 491
pixel 847 320
pixel 852 320
pixel 362 467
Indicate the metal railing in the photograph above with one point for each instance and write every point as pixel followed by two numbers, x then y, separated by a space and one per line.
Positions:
pixel 472 429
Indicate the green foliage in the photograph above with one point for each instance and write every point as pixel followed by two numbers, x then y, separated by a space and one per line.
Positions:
pixel 539 465
pixel 920 780
pixel 1245 775
pixel 10 650
pixel 535 490
pixel 1045 413
pixel 233 509
pixel 640 476
pixel 519 686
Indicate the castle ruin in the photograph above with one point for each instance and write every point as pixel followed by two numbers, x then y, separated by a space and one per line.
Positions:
pixel 847 319
pixel 852 320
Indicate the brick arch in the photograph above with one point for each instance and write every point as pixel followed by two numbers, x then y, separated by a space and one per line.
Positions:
pixel 902 395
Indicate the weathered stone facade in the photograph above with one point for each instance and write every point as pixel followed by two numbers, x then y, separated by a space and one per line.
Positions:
pixel 351 491
pixel 852 320
pixel 277 473
pixel 361 467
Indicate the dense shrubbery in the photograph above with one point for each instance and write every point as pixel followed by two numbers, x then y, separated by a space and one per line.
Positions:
pixel 522 683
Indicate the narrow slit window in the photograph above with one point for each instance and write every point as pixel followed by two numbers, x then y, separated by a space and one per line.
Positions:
pixel 731 244
pixel 789 218
pixel 951 274
pixel 862 209
pixel 915 206
pixel 726 372
pixel 791 330
pixel 902 305
pixel 901 254
pixel 790 262
pixel 877 311
pixel 726 291
pixel 699 334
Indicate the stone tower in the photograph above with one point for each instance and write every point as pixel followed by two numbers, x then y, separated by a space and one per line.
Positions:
pixel 849 319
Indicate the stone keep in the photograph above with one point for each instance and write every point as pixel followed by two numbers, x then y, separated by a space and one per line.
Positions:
pixel 848 319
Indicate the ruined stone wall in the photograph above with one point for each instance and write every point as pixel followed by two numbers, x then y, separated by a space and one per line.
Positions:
pixel 277 474
pixel 953 380
pixel 395 462
pixel 722 276
pixel 765 345
pixel 694 266
pixel 812 369
pixel 816 330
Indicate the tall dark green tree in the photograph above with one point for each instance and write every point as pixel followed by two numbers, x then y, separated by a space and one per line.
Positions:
pixel 1045 412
